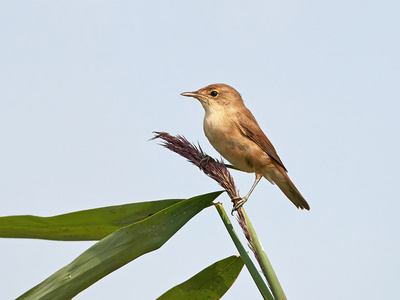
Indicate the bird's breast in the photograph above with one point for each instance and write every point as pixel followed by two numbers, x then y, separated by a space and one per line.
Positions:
pixel 225 136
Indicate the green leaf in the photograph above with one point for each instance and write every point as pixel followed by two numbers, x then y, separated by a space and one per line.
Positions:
pixel 211 283
pixel 117 249
pixel 85 225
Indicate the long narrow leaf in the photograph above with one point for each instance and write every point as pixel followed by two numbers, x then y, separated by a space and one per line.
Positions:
pixel 211 283
pixel 118 249
pixel 85 225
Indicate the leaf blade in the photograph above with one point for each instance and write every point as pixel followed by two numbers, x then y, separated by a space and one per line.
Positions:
pixel 210 283
pixel 118 249
pixel 85 225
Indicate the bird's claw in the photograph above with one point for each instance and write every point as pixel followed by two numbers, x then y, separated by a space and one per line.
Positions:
pixel 238 203
pixel 204 160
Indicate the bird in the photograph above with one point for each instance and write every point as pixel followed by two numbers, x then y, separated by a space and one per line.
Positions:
pixel 233 131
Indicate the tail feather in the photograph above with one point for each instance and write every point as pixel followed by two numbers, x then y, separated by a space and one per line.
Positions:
pixel 283 181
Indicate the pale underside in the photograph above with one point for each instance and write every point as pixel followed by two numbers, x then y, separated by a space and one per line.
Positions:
pixel 227 137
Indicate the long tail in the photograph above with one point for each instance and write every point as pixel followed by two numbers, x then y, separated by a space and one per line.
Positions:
pixel 283 181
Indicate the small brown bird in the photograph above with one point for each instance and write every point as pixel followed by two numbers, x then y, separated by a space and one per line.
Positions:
pixel 234 132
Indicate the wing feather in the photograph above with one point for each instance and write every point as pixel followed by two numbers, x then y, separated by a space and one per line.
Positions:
pixel 250 128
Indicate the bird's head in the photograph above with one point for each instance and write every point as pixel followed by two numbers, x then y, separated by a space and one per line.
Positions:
pixel 216 96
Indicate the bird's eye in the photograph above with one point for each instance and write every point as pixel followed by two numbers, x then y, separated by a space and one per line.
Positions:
pixel 214 93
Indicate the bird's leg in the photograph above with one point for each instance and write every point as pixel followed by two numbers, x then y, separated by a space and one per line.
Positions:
pixel 241 201
pixel 232 167
pixel 204 160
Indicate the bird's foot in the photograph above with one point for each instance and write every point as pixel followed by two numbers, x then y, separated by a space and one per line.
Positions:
pixel 238 203
pixel 204 161
pixel 231 167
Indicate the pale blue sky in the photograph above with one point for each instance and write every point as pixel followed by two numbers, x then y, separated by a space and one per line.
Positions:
pixel 84 83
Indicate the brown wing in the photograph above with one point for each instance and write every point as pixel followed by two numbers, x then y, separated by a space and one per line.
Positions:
pixel 250 128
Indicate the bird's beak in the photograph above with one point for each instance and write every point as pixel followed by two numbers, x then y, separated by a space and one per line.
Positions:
pixel 190 94
pixel 195 95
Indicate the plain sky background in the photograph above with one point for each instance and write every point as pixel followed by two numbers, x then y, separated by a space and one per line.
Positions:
pixel 83 84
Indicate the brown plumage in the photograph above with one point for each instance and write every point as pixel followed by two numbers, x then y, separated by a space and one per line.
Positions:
pixel 234 132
